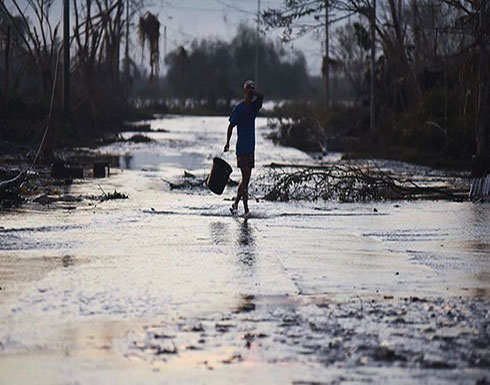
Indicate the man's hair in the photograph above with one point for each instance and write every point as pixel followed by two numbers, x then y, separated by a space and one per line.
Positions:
pixel 249 83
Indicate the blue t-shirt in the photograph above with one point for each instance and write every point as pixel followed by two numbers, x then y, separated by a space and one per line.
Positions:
pixel 243 117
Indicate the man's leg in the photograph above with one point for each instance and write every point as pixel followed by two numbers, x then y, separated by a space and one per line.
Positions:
pixel 246 173
pixel 234 206
pixel 241 187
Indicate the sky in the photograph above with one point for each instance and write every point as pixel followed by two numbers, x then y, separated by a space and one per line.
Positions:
pixel 187 20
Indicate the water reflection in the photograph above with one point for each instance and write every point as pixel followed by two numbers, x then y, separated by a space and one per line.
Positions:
pixel 477 222
pixel 245 240
pixel 155 158
pixel 246 244
pixel 219 232
pixel 246 255
pixel 126 160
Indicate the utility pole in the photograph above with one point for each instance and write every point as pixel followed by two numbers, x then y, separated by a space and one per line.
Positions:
pixel 4 107
pixel 483 125
pixel 372 107
pixel 7 62
pixel 327 61
pixel 66 63
pixel 164 41
pixel 257 45
pixel 126 53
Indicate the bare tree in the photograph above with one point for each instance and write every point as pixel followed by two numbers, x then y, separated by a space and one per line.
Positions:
pixel 350 50
pixel 40 38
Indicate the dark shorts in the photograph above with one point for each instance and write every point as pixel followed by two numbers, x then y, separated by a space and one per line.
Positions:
pixel 246 161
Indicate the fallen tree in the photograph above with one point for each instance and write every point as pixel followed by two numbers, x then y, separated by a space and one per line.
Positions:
pixel 345 183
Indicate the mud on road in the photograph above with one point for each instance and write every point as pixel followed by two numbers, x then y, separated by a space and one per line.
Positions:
pixel 166 287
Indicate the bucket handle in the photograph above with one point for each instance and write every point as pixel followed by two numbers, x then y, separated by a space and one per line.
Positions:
pixel 225 155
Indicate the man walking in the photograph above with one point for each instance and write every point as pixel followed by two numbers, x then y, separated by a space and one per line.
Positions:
pixel 243 116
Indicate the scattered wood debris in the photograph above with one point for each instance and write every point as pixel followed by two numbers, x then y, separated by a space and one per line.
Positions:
pixel 345 183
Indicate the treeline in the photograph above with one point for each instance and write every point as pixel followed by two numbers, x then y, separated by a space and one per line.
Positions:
pixel 431 75
pixel 31 68
pixel 214 70
pixel 106 86
pixel 208 75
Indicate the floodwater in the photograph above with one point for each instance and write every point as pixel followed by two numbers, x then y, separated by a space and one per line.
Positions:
pixel 166 287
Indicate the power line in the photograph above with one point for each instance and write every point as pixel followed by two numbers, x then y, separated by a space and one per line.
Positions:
pixel 234 7
pixel 227 8
pixel 182 33
pixel 197 9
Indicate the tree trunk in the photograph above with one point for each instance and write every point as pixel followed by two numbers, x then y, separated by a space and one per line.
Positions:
pixel 327 60
pixel 3 108
pixel 66 63
pixel 399 53
pixel 7 61
pixel 372 107
pixel 483 115
pixel 126 51
pixel 416 32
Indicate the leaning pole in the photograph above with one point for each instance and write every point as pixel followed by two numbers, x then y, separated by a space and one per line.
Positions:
pixel 66 63
pixel 483 115
pixel 480 170
pixel 327 62
pixel 257 39
pixel 372 107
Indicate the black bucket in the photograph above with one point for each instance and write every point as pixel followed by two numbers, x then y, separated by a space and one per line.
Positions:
pixel 219 175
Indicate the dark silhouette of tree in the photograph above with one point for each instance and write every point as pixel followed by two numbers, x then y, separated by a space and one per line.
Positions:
pixel 149 31
pixel 430 69
pixel 99 98
pixel 213 70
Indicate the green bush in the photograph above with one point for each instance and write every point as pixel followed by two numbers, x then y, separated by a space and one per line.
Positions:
pixel 299 127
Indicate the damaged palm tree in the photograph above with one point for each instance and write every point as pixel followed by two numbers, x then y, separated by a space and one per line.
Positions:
pixel 149 31
pixel 344 183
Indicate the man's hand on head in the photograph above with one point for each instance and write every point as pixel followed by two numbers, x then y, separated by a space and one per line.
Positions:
pixel 257 93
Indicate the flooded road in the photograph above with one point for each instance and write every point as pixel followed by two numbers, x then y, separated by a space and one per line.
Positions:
pixel 165 287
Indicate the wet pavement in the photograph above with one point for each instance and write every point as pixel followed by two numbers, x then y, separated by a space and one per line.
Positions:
pixel 166 287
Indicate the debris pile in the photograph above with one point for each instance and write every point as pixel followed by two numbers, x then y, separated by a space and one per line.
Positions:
pixel 345 183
